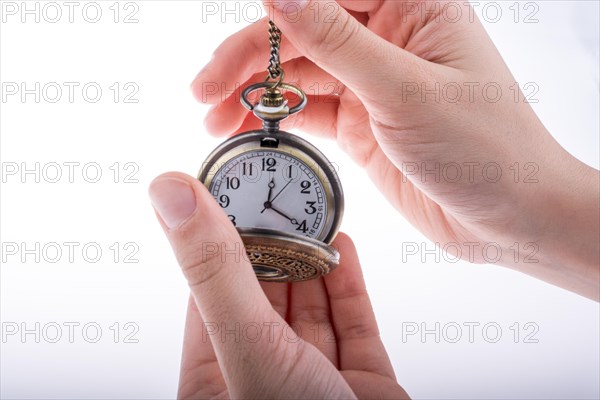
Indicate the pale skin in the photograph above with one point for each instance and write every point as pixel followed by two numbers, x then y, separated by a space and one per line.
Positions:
pixel 373 56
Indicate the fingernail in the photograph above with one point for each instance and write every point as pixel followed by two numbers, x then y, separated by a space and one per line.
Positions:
pixel 290 6
pixel 173 199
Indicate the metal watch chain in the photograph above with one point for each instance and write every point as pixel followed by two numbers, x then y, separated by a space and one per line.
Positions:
pixel 275 62
pixel 272 107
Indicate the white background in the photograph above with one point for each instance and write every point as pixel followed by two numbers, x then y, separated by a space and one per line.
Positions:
pixel 161 54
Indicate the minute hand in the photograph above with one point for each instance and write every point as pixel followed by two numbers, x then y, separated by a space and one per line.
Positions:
pixel 281 191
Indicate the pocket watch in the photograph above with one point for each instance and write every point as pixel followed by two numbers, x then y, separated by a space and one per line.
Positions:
pixel 279 191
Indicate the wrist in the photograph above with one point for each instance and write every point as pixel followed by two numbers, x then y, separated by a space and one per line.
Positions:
pixel 559 226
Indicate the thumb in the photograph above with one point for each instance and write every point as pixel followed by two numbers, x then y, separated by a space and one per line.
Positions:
pixel 328 35
pixel 208 249
pixel 229 298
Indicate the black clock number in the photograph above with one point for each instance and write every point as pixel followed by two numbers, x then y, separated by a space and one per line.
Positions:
pixel 292 172
pixel 232 219
pixel 305 187
pixel 311 209
pixel 268 164
pixel 302 227
pixel 247 169
pixel 224 201
pixel 233 183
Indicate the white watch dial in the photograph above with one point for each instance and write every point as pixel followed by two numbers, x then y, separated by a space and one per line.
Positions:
pixel 272 190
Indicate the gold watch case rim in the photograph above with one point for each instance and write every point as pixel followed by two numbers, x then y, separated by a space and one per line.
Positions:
pixel 284 252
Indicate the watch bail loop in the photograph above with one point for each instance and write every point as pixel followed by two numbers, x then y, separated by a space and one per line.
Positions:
pixel 272 107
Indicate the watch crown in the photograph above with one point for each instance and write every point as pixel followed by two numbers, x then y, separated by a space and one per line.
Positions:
pixel 272 98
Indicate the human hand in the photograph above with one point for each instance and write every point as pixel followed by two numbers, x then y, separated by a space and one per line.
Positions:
pixel 406 91
pixel 238 339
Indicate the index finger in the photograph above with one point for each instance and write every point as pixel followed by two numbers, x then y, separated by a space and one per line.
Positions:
pixel 240 56
pixel 359 344
pixel 200 373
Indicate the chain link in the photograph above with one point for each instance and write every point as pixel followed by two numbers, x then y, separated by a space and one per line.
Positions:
pixel 275 70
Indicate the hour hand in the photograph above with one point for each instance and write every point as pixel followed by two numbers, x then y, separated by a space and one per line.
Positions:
pixel 292 220
pixel 271 186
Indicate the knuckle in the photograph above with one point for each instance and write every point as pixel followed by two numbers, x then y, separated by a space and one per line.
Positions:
pixel 358 329
pixel 337 36
pixel 359 321
pixel 199 269
pixel 312 314
pixel 204 262
pixel 406 141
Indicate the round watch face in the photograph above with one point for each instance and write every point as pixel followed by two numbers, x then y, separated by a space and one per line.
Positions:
pixel 281 186
pixel 274 190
